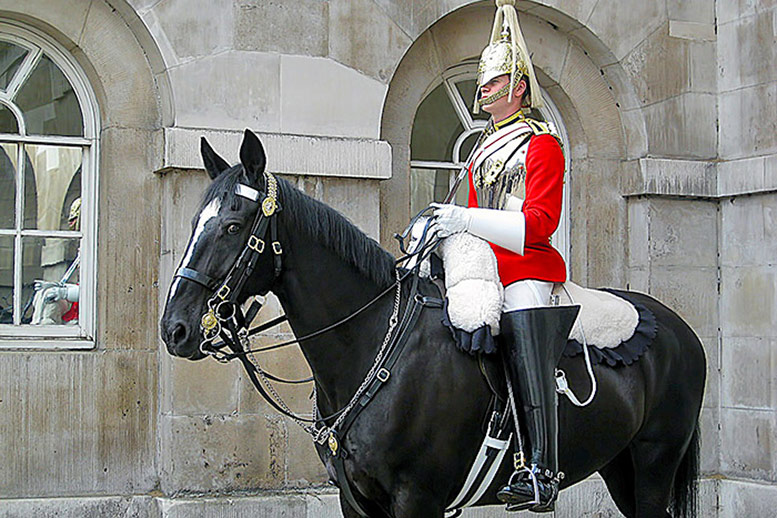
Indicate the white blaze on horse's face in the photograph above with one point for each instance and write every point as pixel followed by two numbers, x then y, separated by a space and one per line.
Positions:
pixel 210 211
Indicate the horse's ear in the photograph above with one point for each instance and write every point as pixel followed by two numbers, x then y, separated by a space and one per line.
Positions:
pixel 252 157
pixel 214 164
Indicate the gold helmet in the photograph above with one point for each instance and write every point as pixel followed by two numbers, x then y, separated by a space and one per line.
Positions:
pixel 506 53
pixel 74 216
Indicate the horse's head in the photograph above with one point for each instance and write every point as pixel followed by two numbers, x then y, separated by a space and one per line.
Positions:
pixel 220 232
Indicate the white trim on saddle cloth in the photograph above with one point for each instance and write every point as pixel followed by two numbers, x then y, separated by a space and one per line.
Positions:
pixel 605 320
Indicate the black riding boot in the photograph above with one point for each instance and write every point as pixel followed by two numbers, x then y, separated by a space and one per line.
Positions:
pixel 532 342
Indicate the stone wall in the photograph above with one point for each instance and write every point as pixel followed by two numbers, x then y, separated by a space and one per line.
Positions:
pixel 670 111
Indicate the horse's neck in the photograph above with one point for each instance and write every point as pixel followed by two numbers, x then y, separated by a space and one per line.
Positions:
pixel 317 290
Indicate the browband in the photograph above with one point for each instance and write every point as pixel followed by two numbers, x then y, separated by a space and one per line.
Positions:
pixel 247 192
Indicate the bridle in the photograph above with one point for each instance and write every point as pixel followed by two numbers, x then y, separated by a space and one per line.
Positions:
pixel 224 312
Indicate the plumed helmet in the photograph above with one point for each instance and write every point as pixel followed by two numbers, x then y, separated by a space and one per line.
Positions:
pixel 506 53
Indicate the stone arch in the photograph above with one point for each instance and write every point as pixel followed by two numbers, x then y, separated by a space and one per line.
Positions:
pixel 589 97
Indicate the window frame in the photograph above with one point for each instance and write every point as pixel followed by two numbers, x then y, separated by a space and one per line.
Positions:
pixel 81 336
pixel 468 70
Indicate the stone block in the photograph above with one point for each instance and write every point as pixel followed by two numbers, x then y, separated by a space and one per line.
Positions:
pixel 682 127
pixel 287 363
pixel 682 233
pixel 747 444
pixel 599 115
pixel 749 295
pixel 746 52
pixel 221 453
pixel 746 498
pixel 623 25
pixel 549 46
pixel 120 72
pixel 287 27
pixel 638 279
pixel 712 354
pixel 747 374
pixel 699 11
pixel 742 176
pixel 286 154
pixel 68 17
pixel 198 388
pixel 694 31
pixel 365 39
pixel 668 177
pixel 128 267
pixel 92 507
pixel 277 506
pixel 659 67
pixel 748 230
pixel 244 92
pixel 325 505
pixel 188 26
pixel 710 441
pixel 704 72
pixel 322 97
pixel 78 424
pixel 471 28
pixel 354 199
pixel 750 125
pixel 305 468
pixel 151 21
pixel 691 292
pixel 578 12
pixel 587 498
pixel 639 231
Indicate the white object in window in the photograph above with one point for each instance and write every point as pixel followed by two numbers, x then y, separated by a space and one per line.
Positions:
pixel 48 194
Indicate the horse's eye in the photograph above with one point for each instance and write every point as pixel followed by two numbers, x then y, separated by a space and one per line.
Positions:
pixel 234 228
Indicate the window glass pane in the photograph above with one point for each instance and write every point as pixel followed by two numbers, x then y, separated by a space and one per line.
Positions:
pixel 467 90
pixel 50 277
pixel 7 121
pixel 6 279
pixel 57 183
pixel 11 57
pixel 428 185
pixel 8 158
pixel 435 128
pixel 49 103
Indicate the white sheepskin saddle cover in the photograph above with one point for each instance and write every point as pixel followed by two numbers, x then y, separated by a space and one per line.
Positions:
pixel 605 320
pixel 475 294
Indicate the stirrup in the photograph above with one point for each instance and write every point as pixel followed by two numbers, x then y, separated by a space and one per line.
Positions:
pixel 536 504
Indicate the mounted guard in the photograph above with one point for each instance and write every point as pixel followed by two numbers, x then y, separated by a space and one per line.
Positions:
pixel 516 180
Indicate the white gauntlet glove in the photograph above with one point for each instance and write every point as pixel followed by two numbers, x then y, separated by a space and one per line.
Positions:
pixel 450 219
pixel 505 228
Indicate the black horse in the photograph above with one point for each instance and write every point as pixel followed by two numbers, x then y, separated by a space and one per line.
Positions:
pixel 411 448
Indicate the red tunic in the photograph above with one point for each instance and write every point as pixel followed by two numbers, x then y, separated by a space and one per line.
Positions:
pixel 542 211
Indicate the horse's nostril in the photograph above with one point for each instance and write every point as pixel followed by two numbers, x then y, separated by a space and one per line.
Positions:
pixel 179 333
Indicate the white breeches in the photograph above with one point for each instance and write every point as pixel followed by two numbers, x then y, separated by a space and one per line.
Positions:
pixel 526 294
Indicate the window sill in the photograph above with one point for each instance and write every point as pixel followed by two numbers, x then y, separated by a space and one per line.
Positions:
pixel 46 344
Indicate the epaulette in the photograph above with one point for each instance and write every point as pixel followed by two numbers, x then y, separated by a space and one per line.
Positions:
pixel 544 128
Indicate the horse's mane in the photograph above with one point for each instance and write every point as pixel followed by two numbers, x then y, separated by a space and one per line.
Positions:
pixel 319 222
pixel 332 230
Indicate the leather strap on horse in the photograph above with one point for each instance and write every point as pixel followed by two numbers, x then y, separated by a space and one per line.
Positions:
pixel 410 317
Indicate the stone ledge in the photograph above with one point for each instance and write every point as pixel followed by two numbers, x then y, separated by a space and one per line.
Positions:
pixel 669 177
pixel 286 154
pixel 587 498
pixel 700 178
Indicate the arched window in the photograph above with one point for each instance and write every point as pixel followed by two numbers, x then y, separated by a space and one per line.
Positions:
pixel 48 194
pixel 445 131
